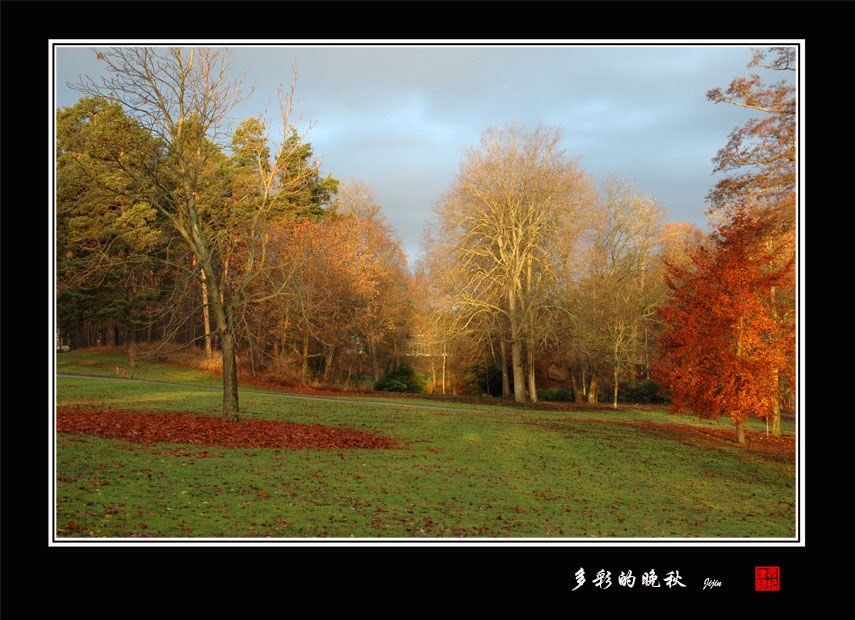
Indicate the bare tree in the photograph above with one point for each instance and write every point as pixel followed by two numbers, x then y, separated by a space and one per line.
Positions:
pixel 618 292
pixel 499 224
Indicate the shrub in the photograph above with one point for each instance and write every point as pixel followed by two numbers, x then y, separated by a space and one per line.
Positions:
pixel 557 395
pixel 646 393
pixel 479 380
pixel 402 379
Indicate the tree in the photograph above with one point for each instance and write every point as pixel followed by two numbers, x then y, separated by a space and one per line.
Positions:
pixel 723 352
pixel 620 285
pixel 759 159
pixel 609 288
pixel 289 190
pixel 109 237
pixel 441 335
pixel 386 306
pixel 679 242
pixel 759 164
pixel 499 223
pixel 331 277
pixel 183 97
pixel 305 191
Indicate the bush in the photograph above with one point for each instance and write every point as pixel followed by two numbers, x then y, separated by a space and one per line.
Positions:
pixel 557 395
pixel 646 393
pixel 402 379
pixel 479 380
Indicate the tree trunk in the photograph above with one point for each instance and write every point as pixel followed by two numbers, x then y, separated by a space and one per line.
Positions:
pixel 776 410
pixel 519 375
pixel 614 404
pixel 578 392
pixel 444 366
pixel 252 352
pixel 329 358
pixel 206 315
pixel 304 369
pixel 585 385
pixel 516 351
pixel 396 352
pixel 776 420
pixel 231 410
pixel 225 330
pixel 532 382
pixel 375 365
pixel 592 391
pixel 503 356
pixel 132 349
pixel 740 433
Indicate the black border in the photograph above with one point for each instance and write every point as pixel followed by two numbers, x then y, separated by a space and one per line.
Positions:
pixel 361 577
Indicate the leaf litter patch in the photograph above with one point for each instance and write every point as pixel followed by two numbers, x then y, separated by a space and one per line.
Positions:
pixel 783 447
pixel 186 428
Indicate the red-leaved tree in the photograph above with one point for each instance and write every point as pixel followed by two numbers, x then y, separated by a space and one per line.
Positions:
pixel 724 348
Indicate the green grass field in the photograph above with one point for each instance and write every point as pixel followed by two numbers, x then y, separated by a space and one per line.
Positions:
pixel 462 471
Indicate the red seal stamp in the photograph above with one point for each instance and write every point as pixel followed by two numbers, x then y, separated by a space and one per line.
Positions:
pixel 767 578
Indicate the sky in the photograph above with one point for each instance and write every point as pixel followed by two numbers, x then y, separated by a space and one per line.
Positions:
pixel 398 116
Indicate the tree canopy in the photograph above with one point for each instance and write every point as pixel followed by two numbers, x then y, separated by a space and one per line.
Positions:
pixel 729 343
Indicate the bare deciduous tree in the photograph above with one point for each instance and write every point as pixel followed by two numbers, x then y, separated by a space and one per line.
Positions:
pixel 514 198
pixel 621 284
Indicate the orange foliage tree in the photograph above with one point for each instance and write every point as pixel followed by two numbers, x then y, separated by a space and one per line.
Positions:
pixel 724 347
pixel 385 304
pixel 325 274
pixel 759 163
pixel 342 292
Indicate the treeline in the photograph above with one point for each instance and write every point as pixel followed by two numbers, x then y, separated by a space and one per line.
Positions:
pixel 320 289
pixel 534 275
pixel 546 274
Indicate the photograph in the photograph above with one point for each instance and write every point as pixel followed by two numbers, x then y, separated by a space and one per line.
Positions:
pixel 487 297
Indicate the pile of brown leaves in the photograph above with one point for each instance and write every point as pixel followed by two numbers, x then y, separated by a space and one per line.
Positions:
pixel 185 428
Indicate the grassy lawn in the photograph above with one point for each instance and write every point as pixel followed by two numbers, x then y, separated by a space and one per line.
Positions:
pixel 461 471
pixel 103 363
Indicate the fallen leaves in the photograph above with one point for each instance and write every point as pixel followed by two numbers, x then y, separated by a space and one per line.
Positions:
pixel 185 428
pixel 754 440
